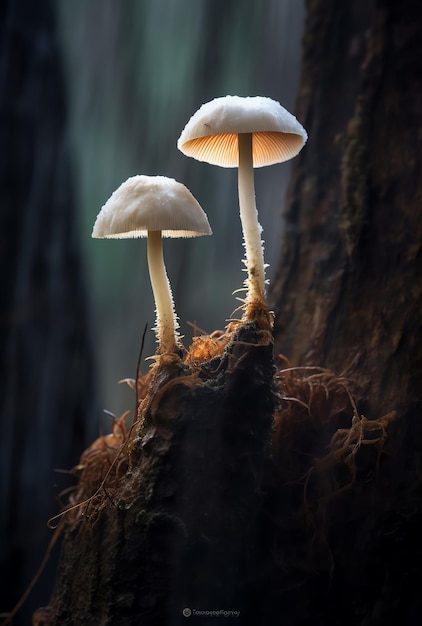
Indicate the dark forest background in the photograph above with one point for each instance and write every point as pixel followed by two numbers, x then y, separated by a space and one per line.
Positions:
pixel 92 93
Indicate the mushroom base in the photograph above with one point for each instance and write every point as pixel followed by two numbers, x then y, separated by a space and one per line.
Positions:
pixel 256 310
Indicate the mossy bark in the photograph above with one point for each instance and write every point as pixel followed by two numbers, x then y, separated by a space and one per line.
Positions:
pixel 348 293
pixel 348 297
pixel 181 530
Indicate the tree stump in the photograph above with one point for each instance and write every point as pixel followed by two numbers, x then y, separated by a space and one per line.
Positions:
pixel 174 527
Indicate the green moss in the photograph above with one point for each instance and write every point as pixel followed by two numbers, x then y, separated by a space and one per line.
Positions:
pixel 354 177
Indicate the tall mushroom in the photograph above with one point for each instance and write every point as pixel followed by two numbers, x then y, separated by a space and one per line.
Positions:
pixel 155 207
pixel 246 133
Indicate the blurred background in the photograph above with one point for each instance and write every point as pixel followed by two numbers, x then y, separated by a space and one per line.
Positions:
pixel 92 93
pixel 135 73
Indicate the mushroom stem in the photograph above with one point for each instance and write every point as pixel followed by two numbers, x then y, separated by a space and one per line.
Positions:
pixel 250 225
pixel 166 323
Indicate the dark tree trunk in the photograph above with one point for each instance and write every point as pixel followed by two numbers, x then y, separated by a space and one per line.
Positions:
pixel 45 364
pixel 348 297
pixel 348 292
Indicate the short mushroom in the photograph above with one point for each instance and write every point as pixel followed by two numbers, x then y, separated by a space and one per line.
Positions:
pixel 244 132
pixel 155 207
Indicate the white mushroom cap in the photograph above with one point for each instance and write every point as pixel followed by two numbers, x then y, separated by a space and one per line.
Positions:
pixel 151 203
pixel 211 133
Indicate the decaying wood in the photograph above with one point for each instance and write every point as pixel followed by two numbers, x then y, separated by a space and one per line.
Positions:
pixel 273 501
pixel 179 528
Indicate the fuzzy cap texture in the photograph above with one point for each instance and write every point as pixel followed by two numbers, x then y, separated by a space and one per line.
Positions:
pixel 145 203
pixel 211 133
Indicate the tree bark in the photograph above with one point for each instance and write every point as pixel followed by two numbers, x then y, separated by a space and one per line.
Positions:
pixel 348 297
pixel 180 528
pixel 348 292
pixel 45 359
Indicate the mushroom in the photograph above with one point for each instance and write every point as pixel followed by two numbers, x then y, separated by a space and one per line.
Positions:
pixel 155 207
pixel 245 132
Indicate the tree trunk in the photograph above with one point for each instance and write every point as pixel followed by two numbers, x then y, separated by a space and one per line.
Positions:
pixel 348 297
pixel 348 291
pixel 45 359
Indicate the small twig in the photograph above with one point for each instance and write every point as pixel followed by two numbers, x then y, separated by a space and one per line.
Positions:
pixel 138 369
pixel 196 328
